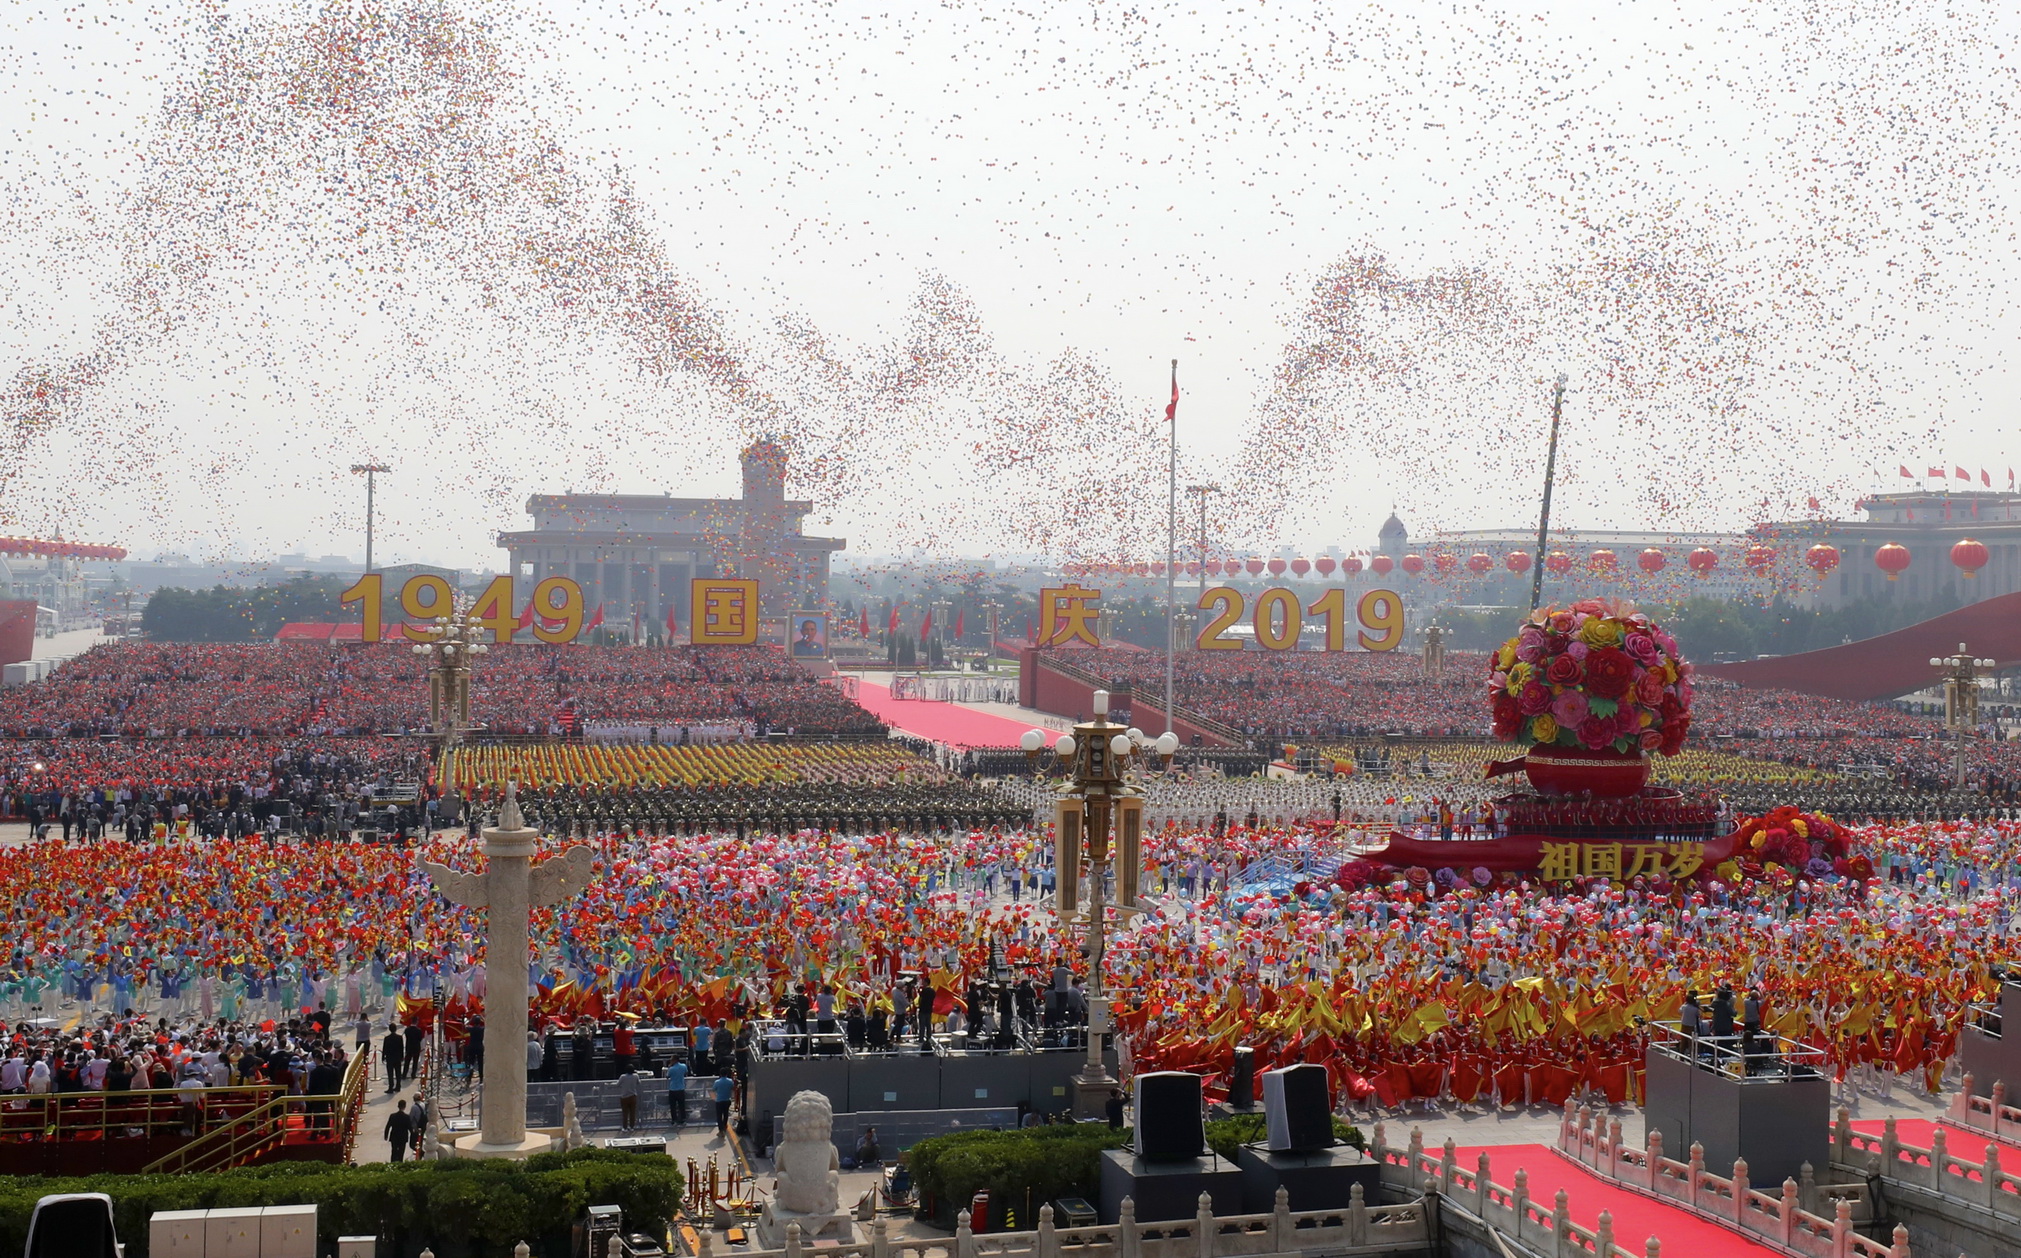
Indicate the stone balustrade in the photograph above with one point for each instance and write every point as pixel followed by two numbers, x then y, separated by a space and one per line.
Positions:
pixel 1988 1115
pixel 1982 1184
pixel 1544 1228
pixel 1777 1219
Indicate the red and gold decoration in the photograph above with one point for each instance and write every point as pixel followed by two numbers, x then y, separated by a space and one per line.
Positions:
pixel 1970 555
pixel 1892 559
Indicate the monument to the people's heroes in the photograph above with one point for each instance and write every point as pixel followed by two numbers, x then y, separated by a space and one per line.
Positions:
pixel 507 889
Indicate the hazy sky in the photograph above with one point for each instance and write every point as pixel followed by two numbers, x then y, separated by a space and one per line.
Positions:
pixel 517 248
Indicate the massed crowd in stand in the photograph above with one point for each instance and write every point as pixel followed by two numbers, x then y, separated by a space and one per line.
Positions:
pixel 237 690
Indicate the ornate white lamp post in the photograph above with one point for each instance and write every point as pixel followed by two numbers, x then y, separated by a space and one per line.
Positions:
pixel 1095 796
pixel 452 659
pixel 1961 677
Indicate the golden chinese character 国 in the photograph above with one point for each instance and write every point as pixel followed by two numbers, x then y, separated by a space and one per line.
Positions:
pixel 725 611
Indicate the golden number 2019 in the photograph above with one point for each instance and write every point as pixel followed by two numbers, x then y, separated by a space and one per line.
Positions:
pixel 1279 619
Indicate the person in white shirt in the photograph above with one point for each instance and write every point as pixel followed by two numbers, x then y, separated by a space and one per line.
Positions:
pixel 14 1074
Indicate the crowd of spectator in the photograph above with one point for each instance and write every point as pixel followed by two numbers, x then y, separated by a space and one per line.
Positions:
pixel 1276 697
pixel 154 1075
pixel 163 690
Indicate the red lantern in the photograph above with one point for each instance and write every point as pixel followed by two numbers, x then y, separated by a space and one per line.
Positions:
pixel 1650 561
pixel 1255 567
pixel 1970 556
pixel 1276 567
pixel 1140 569
pixel 1822 559
pixel 1558 561
pixel 1299 567
pixel 1892 559
pixel 1478 563
pixel 1382 564
pixel 1213 567
pixel 1446 562
pixel 1352 565
pixel 1193 567
pixel 1601 562
pixel 1157 567
pixel 1325 564
pixel 1518 562
pixel 1413 564
pixel 1760 559
pixel 1702 562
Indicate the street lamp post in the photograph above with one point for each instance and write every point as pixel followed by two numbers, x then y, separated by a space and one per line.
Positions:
pixel 451 661
pixel 369 470
pixel 1095 795
pixel 993 607
pixel 1961 700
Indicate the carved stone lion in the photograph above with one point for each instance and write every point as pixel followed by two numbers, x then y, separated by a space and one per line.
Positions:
pixel 809 1170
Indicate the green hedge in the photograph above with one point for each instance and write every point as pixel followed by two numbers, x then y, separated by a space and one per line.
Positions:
pixel 459 1207
pixel 1224 1135
pixel 1035 1164
pixel 1026 1168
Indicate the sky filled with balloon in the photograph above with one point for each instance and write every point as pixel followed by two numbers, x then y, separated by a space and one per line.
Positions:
pixel 945 254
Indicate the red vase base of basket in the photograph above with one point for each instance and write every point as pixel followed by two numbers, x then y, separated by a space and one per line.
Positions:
pixel 1603 774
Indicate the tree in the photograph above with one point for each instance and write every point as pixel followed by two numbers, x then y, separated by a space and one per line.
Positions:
pixel 228 613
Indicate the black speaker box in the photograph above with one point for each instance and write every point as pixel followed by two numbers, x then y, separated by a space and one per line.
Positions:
pixel 1170 1125
pixel 1297 1114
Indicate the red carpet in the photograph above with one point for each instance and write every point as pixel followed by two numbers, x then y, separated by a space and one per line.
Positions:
pixel 942 722
pixel 1960 1142
pixel 1636 1217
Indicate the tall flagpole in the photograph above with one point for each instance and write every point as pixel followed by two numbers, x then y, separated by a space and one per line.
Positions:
pixel 1171 536
pixel 1544 517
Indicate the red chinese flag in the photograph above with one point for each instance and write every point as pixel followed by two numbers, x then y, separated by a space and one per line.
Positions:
pixel 926 625
pixel 960 620
pixel 595 620
pixel 526 616
pixel 1172 407
pixel 1937 472
pixel 1906 475
pixel 1961 473
pixel 863 625
pixel 892 628
pixel 672 627
pixel 1985 478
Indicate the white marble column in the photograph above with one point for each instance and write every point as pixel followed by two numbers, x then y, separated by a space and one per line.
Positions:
pixel 508 889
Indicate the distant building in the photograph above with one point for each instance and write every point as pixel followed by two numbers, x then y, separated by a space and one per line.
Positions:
pixel 1730 578
pixel 1927 523
pixel 635 553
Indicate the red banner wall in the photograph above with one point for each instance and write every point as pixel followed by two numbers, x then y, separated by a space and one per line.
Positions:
pixel 17 630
